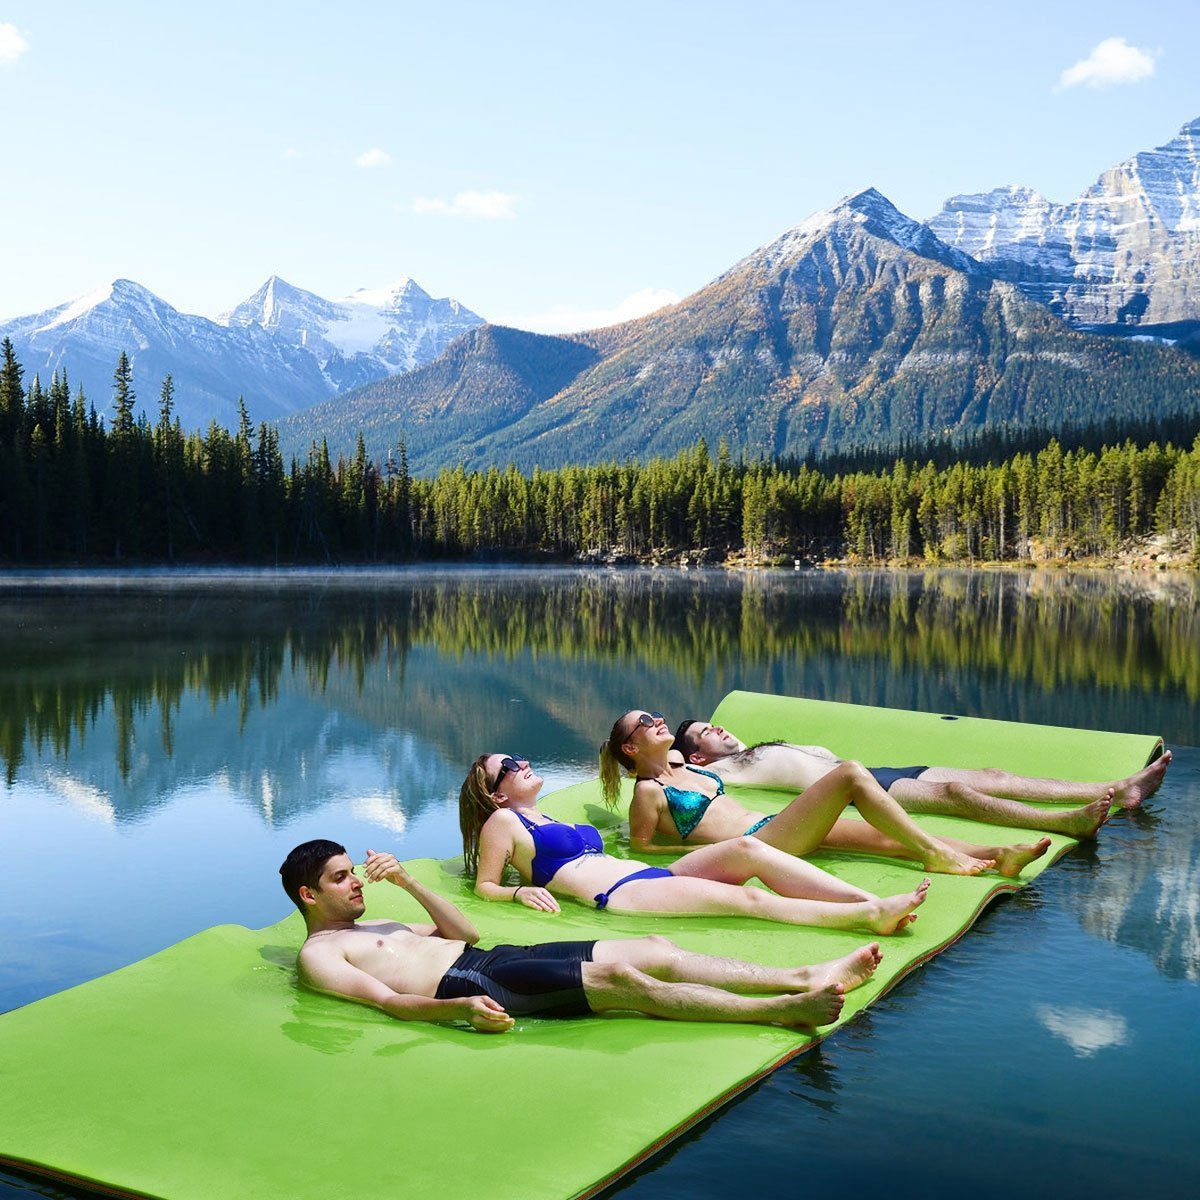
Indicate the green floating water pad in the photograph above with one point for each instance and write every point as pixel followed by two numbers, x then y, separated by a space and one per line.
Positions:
pixel 206 1071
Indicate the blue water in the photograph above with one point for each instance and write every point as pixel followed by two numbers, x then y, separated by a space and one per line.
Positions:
pixel 166 743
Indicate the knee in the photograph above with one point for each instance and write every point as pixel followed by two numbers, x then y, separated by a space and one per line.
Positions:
pixel 615 974
pixel 854 774
pixel 751 846
pixel 656 941
pixel 957 791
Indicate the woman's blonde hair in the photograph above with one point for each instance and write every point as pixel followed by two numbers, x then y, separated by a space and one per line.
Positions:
pixel 614 760
pixel 475 804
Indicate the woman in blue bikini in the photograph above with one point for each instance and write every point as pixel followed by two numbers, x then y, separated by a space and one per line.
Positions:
pixel 677 807
pixel 501 825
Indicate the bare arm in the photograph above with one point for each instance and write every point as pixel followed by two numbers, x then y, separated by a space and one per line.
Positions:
pixel 496 847
pixel 448 921
pixel 325 969
pixel 645 810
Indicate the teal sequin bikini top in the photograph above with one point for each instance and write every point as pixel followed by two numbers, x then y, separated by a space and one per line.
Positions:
pixel 687 808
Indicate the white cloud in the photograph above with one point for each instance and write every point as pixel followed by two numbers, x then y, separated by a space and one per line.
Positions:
pixel 1113 61
pixel 373 158
pixel 564 318
pixel 475 206
pixel 290 154
pixel 12 43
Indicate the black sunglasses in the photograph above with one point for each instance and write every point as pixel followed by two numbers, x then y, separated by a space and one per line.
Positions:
pixel 508 764
pixel 649 720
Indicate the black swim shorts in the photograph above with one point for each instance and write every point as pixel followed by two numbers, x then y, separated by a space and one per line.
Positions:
pixel 541 981
pixel 886 776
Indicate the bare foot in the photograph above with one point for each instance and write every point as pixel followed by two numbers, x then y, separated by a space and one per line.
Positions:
pixel 810 1009
pixel 851 971
pixel 945 860
pixel 892 913
pixel 1012 860
pixel 1082 822
pixel 1129 793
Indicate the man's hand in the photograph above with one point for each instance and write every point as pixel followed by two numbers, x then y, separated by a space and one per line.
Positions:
pixel 537 897
pixel 485 1015
pixel 380 866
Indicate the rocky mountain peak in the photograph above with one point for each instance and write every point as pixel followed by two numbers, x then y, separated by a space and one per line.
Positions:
pixel 1123 256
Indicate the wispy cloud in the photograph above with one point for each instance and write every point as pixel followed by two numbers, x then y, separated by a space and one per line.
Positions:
pixel 1112 62
pixel 12 43
pixel 290 154
pixel 475 206
pixel 373 158
pixel 564 318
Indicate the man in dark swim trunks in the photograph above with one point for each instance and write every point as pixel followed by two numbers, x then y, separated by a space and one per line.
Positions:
pixel 989 795
pixel 434 972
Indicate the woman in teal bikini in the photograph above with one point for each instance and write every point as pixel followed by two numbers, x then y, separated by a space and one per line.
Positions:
pixel 501 825
pixel 677 807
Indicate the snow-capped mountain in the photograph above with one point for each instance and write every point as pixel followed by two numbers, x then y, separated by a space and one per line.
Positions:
pixel 282 350
pixel 211 366
pixel 361 337
pixel 856 329
pixel 1125 255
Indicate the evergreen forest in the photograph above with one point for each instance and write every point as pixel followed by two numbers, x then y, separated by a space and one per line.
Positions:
pixel 76 488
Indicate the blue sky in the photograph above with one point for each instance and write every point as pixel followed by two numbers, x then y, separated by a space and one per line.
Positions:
pixel 541 162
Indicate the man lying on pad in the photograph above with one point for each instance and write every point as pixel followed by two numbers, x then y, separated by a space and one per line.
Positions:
pixel 435 973
pixel 989 795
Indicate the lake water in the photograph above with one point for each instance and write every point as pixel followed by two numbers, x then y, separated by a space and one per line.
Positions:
pixel 166 739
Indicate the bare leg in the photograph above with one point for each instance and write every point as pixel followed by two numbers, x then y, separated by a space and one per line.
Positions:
pixel 860 837
pixel 737 860
pixel 807 821
pixel 662 959
pixel 685 895
pixel 954 799
pixel 619 986
pixel 1127 793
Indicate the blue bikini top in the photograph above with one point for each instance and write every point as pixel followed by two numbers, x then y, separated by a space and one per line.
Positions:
pixel 555 844
pixel 687 808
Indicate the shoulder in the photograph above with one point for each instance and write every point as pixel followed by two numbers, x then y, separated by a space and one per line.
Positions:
pixel 501 823
pixel 320 948
pixel 648 791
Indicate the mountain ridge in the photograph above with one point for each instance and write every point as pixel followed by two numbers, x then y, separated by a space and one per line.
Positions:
pixel 856 327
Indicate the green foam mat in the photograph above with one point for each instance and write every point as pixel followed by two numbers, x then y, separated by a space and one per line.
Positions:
pixel 206 1071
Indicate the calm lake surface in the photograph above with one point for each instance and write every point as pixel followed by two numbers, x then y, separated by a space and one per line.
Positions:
pixel 167 738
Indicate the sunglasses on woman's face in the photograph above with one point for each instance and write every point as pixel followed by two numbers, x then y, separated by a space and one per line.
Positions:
pixel 648 721
pixel 508 764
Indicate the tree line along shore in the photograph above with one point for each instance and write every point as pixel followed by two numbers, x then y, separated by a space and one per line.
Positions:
pixel 75 488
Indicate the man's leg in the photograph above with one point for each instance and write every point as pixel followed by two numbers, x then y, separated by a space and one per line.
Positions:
pixel 1128 792
pixel 662 959
pixel 954 798
pixel 616 986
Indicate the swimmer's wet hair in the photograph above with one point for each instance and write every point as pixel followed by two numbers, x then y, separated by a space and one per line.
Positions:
pixel 303 867
pixel 476 802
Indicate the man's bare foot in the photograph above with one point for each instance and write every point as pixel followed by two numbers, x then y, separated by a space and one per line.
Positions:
pixel 851 970
pixel 892 913
pixel 807 1010
pixel 1082 822
pixel 945 860
pixel 1129 793
pixel 1012 860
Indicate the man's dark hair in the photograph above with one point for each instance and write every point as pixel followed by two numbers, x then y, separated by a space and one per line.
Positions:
pixel 686 742
pixel 303 867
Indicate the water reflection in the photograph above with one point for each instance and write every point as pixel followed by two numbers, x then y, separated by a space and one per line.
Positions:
pixel 1087 1031
pixel 135 667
